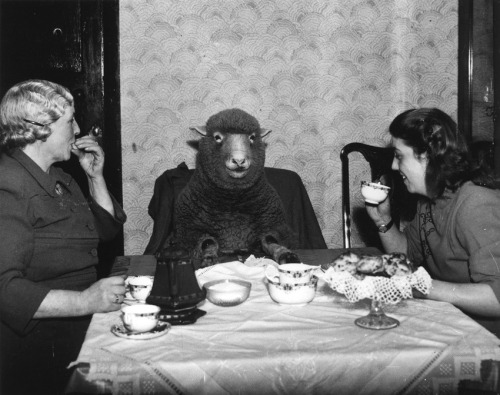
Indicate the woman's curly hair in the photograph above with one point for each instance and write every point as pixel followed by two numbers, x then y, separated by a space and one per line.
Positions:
pixel 27 110
pixel 435 133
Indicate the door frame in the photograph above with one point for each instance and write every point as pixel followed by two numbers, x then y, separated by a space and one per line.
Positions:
pixel 466 71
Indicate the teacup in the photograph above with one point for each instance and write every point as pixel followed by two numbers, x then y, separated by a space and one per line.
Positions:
pixel 140 317
pixel 290 273
pixel 374 192
pixel 140 287
pixel 297 294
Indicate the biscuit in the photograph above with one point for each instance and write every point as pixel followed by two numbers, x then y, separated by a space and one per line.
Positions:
pixel 370 264
pixel 345 262
pixel 388 265
pixel 396 264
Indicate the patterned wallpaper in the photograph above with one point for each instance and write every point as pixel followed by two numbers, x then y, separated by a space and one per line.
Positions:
pixel 319 73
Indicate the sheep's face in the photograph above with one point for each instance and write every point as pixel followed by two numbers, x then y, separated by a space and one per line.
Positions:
pixel 236 151
pixel 231 153
pixel 232 160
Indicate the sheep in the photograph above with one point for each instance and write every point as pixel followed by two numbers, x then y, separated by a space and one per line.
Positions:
pixel 228 207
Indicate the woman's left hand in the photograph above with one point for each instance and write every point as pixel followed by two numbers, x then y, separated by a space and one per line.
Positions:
pixel 90 155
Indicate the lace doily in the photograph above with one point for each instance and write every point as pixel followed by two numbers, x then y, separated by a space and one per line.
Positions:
pixel 388 290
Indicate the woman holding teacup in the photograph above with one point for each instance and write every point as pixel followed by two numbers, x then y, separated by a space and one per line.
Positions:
pixel 455 234
pixel 48 238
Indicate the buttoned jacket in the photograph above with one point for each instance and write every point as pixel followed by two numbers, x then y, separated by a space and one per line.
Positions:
pixel 49 235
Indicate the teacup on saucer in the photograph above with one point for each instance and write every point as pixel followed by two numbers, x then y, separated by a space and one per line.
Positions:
pixel 140 317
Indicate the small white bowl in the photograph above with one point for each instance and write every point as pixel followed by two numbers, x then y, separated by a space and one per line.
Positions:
pixel 374 192
pixel 296 294
pixel 227 292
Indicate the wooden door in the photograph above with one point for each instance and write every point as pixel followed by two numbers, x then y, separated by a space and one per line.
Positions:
pixel 479 77
pixel 73 43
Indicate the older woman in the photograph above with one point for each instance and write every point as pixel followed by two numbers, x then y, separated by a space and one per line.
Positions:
pixel 48 238
pixel 455 234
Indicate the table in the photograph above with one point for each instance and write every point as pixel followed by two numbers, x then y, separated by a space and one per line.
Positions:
pixel 261 347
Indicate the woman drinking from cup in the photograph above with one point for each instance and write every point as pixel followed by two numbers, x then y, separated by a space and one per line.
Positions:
pixel 455 234
pixel 48 238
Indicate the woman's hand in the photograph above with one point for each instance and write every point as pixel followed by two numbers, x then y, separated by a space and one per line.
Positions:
pixel 379 213
pixel 90 155
pixel 105 295
pixel 393 240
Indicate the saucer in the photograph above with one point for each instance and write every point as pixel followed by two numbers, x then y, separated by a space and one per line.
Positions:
pixel 161 329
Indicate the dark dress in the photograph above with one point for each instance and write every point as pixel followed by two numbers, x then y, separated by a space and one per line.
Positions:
pixel 48 240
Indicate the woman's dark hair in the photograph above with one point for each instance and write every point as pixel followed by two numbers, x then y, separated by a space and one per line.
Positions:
pixel 432 131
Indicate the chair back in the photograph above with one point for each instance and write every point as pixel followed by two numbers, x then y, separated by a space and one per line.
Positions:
pixel 380 162
pixel 299 211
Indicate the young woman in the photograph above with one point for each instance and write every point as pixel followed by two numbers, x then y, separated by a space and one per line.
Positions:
pixel 48 239
pixel 455 234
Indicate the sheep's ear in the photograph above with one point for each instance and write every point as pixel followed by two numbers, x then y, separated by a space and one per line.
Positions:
pixel 200 129
pixel 264 132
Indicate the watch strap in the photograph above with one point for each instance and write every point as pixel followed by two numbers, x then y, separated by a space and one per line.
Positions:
pixel 385 227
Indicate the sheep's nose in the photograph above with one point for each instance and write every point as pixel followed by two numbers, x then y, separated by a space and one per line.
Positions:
pixel 239 161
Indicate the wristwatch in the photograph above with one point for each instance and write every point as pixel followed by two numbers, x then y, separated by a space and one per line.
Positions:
pixel 385 227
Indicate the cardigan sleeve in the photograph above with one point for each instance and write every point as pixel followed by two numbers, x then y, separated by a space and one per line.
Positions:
pixel 107 225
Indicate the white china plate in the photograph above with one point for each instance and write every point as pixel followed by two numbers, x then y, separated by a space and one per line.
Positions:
pixel 161 329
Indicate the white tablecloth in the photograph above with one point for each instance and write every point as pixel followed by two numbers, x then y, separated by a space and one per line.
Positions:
pixel 261 347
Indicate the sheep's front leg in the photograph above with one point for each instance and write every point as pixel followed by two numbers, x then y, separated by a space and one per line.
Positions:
pixel 278 252
pixel 207 251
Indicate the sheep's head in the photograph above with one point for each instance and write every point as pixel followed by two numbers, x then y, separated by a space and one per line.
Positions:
pixel 232 152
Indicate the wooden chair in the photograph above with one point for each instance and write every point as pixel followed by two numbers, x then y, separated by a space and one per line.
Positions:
pixel 288 184
pixel 380 160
